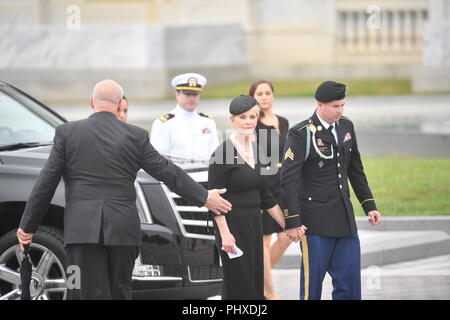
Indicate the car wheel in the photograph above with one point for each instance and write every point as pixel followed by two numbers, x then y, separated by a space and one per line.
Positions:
pixel 48 272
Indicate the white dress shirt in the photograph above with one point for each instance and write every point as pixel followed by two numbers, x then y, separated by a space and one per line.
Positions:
pixel 326 125
pixel 187 135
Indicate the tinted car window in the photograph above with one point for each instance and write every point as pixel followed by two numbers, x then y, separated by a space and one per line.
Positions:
pixel 25 121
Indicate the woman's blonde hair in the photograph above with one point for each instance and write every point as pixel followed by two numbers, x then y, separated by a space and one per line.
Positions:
pixel 257 109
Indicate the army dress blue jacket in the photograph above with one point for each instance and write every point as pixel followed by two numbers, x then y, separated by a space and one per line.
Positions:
pixel 314 186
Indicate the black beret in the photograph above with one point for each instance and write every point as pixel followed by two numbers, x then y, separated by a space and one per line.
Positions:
pixel 329 91
pixel 241 104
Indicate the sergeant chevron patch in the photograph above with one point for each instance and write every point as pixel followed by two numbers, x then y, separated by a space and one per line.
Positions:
pixel 289 154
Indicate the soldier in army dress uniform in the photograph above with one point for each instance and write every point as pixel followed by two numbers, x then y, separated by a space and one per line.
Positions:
pixel 321 155
pixel 185 135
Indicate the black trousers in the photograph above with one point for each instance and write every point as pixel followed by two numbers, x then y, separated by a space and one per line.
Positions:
pixel 105 271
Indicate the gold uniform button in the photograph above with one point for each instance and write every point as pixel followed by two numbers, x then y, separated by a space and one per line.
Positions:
pixel 339 165
pixel 340 186
pixel 338 154
pixel 309 198
pixel 340 176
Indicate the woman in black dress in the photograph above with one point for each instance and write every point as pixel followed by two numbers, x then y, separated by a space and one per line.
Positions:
pixel 236 167
pixel 271 126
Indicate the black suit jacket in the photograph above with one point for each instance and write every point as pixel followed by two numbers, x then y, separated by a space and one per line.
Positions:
pixel 315 191
pixel 99 158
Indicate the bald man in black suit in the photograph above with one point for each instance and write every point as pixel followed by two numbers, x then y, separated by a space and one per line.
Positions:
pixel 98 159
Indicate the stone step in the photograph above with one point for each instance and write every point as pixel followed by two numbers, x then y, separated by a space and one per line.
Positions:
pixel 385 247
pixel 408 223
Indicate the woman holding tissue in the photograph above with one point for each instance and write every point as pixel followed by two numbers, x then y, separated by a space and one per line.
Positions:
pixel 235 166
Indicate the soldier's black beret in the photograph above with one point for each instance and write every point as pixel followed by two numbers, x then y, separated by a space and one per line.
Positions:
pixel 241 104
pixel 329 91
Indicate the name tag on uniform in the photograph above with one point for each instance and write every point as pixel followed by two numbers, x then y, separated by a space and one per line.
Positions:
pixel 323 149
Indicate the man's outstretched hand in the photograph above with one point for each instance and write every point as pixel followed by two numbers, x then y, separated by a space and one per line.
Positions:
pixel 216 203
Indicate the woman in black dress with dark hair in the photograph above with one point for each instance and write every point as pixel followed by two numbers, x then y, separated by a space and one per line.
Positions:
pixel 236 167
pixel 271 126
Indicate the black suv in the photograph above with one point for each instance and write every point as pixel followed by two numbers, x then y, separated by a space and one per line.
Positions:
pixel 178 259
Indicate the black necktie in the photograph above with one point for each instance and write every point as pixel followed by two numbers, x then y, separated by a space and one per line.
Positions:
pixel 330 129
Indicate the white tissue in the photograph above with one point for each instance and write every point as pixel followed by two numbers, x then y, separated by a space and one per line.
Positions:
pixel 235 255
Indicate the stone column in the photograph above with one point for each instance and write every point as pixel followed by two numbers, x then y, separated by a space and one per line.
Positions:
pixel 434 74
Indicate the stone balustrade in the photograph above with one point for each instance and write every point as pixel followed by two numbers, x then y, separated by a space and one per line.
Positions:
pixel 380 27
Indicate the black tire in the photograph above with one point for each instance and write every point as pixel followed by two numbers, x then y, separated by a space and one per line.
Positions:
pixel 50 283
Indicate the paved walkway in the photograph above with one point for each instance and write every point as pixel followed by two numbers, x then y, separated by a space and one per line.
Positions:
pixel 425 279
pixel 403 258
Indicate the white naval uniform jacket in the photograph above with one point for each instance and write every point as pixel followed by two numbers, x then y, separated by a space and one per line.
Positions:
pixel 186 135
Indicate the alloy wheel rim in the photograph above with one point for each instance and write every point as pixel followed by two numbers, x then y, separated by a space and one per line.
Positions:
pixel 48 275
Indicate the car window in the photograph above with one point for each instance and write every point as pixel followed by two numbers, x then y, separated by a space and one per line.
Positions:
pixel 19 123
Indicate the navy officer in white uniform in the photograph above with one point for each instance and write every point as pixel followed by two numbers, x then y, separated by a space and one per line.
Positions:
pixel 185 135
